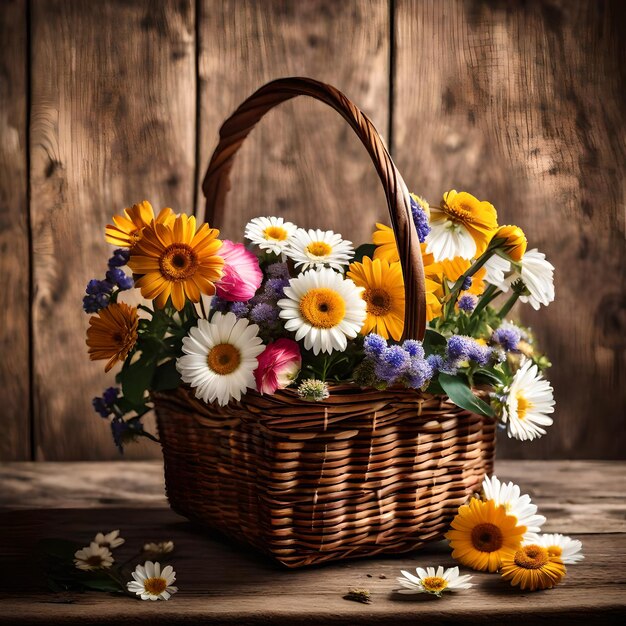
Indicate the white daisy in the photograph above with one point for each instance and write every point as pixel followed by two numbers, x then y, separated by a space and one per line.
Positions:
pixel 159 547
pixel 93 557
pixel 151 583
pixel 566 548
pixel 496 268
pixel 220 357
pixel 270 233
pixel 430 581
pixel 323 308
pixel 110 540
pixel 311 248
pixel 537 274
pixel 528 400
pixel 515 503
pixel 448 239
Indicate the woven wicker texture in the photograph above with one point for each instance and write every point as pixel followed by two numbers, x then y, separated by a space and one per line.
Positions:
pixel 362 473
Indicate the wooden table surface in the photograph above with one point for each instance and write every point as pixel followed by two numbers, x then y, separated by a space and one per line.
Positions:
pixel 222 583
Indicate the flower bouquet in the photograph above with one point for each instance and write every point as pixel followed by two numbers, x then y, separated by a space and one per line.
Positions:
pixel 299 409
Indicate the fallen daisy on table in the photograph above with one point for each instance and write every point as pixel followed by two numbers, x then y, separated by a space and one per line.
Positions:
pixel 93 557
pixel 159 547
pixel 561 546
pixel 532 568
pixel 435 582
pixel 110 540
pixel 151 583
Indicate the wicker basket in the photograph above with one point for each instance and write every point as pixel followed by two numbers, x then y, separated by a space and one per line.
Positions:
pixel 362 473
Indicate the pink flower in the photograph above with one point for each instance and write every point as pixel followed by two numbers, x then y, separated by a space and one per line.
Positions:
pixel 279 365
pixel 242 274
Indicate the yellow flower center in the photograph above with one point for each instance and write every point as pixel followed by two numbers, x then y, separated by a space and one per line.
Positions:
pixel 531 557
pixel 486 537
pixel 178 262
pixel 319 248
pixel 378 301
pixel 275 233
pixel 322 307
pixel 523 404
pixel 554 551
pixel 459 211
pixel 224 359
pixel 434 583
pixel 155 586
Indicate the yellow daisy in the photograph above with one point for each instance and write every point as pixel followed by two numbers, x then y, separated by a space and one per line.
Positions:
pixel 127 229
pixel 482 533
pixel 462 226
pixel 385 242
pixel 384 295
pixel 173 259
pixel 531 567
pixel 515 241
pixel 112 333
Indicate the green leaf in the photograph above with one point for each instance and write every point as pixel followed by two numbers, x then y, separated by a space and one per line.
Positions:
pixel 365 249
pixel 165 377
pixel 136 379
pixel 491 377
pixel 435 388
pixel 459 392
pixel 432 340
pixel 101 582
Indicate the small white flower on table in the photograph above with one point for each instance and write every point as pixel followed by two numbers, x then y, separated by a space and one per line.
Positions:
pixel 93 557
pixel 110 540
pixel 435 582
pixel 152 583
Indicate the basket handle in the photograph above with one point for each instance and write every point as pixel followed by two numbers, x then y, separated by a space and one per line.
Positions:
pixel 236 128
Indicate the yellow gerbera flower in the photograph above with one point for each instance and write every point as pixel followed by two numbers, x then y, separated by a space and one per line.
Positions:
pixel 482 533
pixel 452 270
pixel 462 226
pixel 385 242
pixel 112 333
pixel 531 567
pixel 126 229
pixel 173 259
pixel 384 295
pixel 516 242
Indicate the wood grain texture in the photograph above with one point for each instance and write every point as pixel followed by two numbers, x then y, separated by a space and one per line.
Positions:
pixel 522 103
pixel 113 122
pixel 14 253
pixel 303 161
pixel 221 583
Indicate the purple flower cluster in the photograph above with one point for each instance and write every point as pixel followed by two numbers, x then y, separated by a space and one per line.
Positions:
pixel 99 291
pixel 104 405
pixel 461 348
pixel 420 219
pixel 125 430
pixel 398 364
pixel 507 336
pixel 467 302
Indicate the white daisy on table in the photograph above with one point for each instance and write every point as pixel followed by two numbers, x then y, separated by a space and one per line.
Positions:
pixel 159 547
pixel 433 581
pixel 527 402
pixel 270 233
pixel 110 540
pixel 561 546
pixel 220 357
pixel 323 308
pixel 312 248
pixel 93 557
pixel 509 496
pixel 152 583
pixel 537 274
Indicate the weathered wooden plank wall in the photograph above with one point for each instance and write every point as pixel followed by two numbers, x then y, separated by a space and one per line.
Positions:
pixel 519 102
pixel 523 102
pixel 15 441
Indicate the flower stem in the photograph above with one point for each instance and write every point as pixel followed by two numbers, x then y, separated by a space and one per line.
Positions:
pixel 508 305
pixel 488 295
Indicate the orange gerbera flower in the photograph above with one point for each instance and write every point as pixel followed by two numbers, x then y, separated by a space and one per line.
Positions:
pixel 173 259
pixel 112 333
pixel 515 241
pixel 127 229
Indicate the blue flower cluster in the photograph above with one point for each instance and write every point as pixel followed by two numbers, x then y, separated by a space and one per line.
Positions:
pixel 104 405
pixel 420 219
pixel 99 291
pixel 467 302
pixel 508 336
pixel 461 348
pixel 398 364
pixel 125 430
